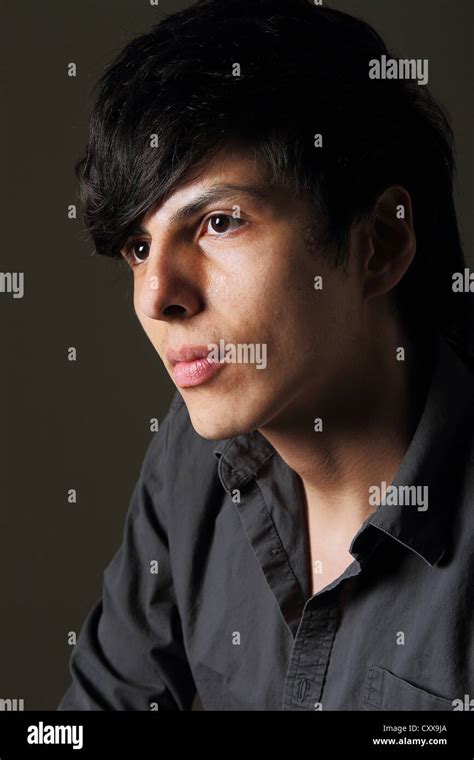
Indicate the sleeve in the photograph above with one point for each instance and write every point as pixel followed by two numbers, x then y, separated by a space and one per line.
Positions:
pixel 130 654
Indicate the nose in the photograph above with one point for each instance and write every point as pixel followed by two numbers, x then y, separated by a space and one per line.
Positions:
pixel 170 286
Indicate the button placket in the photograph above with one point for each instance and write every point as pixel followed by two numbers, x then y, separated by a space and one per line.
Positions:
pixel 310 657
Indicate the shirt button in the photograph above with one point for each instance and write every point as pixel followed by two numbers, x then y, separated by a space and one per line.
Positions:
pixel 302 688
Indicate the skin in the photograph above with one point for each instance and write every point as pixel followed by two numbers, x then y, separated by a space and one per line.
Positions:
pixel 331 353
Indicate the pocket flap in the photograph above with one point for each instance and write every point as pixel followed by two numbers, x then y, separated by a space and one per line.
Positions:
pixel 385 691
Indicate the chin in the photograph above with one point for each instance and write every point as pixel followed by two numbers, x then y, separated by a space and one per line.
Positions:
pixel 215 430
pixel 215 425
pixel 236 409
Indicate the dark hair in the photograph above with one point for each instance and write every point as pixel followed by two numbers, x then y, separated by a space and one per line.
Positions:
pixel 304 69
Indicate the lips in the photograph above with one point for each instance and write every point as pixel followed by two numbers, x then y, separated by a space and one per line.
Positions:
pixel 191 366
pixel 186 354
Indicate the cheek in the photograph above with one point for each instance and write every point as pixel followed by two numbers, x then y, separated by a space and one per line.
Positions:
pixel 236 301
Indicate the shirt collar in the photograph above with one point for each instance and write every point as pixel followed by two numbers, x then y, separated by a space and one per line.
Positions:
pixel 433 459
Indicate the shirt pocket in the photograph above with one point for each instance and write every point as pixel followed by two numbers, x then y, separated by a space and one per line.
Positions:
pixel 385 691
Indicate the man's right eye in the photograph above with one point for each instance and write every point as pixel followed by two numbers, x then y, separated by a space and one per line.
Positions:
pixel 137 252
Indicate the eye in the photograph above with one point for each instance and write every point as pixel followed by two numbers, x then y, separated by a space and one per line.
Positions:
pixel 137 251
pixel 219 224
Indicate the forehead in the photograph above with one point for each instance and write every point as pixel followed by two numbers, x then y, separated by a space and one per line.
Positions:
pixel 231 173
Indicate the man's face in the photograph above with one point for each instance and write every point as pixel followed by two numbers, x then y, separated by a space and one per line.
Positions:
pixel 237 272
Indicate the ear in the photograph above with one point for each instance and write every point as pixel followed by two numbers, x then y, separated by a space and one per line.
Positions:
pixel 392 242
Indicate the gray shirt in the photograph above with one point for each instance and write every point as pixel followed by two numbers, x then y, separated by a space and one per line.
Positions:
pixel 210 588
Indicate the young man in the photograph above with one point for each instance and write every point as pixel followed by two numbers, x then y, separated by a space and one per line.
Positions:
pixel 300 535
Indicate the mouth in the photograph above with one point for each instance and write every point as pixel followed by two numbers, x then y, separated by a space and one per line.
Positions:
pixel 191 366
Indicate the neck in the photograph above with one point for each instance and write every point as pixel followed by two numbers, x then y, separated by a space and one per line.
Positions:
pixel 368 420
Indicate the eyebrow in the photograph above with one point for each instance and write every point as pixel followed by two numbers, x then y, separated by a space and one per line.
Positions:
pixel 214 193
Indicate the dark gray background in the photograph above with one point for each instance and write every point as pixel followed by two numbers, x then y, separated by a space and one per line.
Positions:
pixel 85 425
